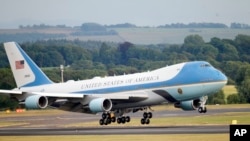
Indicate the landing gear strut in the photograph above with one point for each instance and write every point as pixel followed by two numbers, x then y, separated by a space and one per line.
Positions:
pixel 203 108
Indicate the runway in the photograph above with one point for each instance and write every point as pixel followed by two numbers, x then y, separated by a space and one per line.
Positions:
pixel 117 130
pixel 62 123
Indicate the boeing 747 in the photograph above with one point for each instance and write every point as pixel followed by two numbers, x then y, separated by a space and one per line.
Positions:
pixel 187 85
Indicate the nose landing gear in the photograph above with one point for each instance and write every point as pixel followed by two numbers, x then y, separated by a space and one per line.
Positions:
pixel 203 108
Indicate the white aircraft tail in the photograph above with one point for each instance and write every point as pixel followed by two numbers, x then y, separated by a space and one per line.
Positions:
pixel 25 71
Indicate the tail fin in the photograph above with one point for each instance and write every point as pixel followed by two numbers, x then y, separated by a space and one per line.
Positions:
pixel 25 71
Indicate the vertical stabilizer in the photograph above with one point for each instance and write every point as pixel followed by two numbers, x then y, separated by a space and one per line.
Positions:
pixel 25 71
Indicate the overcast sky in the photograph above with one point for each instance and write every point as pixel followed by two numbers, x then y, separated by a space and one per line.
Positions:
pixel 140 12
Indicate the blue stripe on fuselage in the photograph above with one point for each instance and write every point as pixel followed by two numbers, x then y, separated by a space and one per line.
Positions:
pixel 191 73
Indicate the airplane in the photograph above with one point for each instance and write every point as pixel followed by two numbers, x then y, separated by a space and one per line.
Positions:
pixel 186 85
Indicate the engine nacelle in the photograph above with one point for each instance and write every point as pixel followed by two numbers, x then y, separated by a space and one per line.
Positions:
pixel 100 105
pixel 188 105
pixel 36 102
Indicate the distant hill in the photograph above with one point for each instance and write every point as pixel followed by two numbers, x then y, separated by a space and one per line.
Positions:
pixel 169 34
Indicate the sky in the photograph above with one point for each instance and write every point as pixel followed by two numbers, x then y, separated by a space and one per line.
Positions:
pixel 106 12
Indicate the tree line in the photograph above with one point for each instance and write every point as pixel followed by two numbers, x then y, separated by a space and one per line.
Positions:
pixel 233 25
pixel 86 59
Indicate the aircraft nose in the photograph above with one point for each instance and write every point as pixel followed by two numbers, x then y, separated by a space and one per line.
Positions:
pixel 222 76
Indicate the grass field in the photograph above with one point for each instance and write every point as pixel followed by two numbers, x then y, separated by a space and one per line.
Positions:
pixel 141 35
pixel 178 137
pixel 229 89
pixel 175 35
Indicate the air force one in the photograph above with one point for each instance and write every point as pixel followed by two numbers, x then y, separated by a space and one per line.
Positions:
pixel 186 85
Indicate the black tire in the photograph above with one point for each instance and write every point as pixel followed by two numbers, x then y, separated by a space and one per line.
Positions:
pixel 123 120
pixel 108 115
pixel 147 121
pixel 119 120
pixel 101 122
pixel 150 115
pixel 200 110
pixel 113 119
pixel 205 110
pixel 104 115
pixel 145 115
pixel 105 121
pixel 127 119
pixel 108 120
pixel 143 121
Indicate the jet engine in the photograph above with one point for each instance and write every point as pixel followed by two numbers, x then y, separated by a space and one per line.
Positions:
pixel 36 102
pixel 188 105
pixel 100 105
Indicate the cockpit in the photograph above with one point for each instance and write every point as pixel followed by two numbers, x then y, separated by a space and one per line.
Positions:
pixel 205 65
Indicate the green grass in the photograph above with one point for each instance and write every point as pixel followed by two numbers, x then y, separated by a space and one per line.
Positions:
pixel 142 35
pixel 168 137
pixel 229 89
pixel 202 119
pixel 32 113
pixel 174 35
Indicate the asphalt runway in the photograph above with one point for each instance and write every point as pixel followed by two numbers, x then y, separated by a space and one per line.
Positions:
pixel 118 130
pixel 56 124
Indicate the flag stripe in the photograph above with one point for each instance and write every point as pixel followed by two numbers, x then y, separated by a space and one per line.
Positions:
pixel 19 64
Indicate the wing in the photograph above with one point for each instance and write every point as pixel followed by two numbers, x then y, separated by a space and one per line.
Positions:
pixel 76 102
pixel 118 96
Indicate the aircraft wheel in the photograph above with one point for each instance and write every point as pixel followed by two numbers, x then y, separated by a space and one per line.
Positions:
pixel 104 115
pixel 150 115
pixel 108 115
pixel 127 119
pixel 147 121
pixel 109 120
pixel 113 119
pixel 145 115
pixel 200 109
pixel 123 120
pixel 143 121
pixel 119 120
pixel 205 110
pixel 101 122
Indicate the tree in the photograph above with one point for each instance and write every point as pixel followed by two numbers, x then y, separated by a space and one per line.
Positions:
pixel 7 79
pixel 7 103
pixel 194 40
pixel 218 98
pixel 233 99
pixel 243 83
pixel 123 49
pixel 108 55
pixel 243 45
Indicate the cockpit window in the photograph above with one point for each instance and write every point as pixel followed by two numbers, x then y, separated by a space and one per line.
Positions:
pixel 205 65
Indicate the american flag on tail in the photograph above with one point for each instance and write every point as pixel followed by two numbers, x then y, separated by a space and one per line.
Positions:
pixel 19 64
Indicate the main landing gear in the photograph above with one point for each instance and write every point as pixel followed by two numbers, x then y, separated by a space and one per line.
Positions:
pixel 108 118
pixel 146 118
